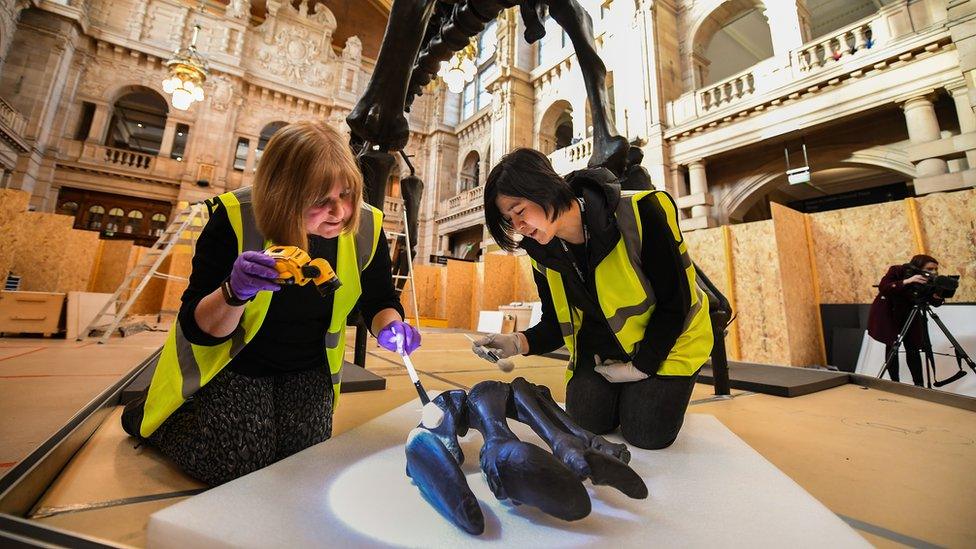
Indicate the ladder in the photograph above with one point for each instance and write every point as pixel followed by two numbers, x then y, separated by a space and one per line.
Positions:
pixel 184 229
pixel 397 247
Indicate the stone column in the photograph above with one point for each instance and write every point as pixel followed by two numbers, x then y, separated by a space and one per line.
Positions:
pixel 169 131
pixel 96 132
pixel 699 185
pixel 923 126
pixel 967 119
pixel 788 25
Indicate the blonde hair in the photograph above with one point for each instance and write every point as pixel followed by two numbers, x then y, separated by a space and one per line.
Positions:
pixel 300 166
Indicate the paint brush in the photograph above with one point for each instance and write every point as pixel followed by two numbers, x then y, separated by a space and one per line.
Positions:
pixel 410 370
pixel 504 364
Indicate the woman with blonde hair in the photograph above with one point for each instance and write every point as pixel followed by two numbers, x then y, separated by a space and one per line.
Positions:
pixel 251 370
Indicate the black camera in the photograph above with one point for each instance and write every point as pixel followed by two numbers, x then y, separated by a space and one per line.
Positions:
pixel 943 285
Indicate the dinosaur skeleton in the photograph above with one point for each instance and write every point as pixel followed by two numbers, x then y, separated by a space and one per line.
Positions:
pixel 408 61
pixel 515 470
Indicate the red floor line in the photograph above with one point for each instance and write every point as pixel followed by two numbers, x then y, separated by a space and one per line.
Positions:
pixel 24 353
pixel 6 464
pixel 59 375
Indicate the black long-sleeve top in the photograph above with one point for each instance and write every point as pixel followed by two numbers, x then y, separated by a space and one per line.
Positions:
pixel 660 262
pixel 292 336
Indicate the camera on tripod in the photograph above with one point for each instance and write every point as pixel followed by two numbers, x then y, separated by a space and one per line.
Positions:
pixel 934 287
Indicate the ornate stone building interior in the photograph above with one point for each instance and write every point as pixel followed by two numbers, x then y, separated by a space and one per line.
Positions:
pixel 721 93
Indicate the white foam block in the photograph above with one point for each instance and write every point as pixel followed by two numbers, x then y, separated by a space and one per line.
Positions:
pixel 708 489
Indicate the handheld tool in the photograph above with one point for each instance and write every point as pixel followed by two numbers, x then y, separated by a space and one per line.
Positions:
pixel 295 266
pixel 411 371
pixel 504 364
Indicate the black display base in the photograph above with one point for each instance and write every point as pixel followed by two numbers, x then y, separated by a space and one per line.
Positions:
pixel 354 379
pixel 784 381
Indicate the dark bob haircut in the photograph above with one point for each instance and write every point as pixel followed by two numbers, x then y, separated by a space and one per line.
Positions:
pixel 921 260
pixel 523 173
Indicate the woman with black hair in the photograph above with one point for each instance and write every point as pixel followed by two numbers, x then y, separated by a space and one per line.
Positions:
pixel 891 307
pixel 618 290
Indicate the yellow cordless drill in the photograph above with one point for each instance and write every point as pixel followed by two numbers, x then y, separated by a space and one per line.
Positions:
pixel 296 267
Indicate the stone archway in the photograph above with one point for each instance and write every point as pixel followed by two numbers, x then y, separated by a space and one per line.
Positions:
pixel 695 64
pixel 553 117
pixel 744 194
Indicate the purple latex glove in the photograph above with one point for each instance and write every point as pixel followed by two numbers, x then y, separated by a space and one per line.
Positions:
pixel 387 337
pixel 253 272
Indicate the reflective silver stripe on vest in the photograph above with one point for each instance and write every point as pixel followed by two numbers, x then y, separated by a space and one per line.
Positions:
pixel 331 339
pixel 252 238
pixel 236 341
pixel 566 328
pixel 189 369
pixel 364 237
pixel 620 317
pixel 337 377
pixel 627 225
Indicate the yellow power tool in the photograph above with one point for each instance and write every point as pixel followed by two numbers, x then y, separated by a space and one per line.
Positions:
pixel 295 266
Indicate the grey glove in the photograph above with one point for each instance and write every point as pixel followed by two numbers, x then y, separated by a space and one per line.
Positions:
pixel 500 345
pixel 616 371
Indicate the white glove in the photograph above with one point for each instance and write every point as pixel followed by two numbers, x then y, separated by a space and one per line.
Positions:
pixel 500 345
pixel 616 371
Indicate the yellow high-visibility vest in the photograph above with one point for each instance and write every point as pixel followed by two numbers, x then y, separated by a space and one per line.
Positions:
pixel 182 367
pixel 627 299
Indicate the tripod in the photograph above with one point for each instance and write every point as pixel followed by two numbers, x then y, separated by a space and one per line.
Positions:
pixel 923 309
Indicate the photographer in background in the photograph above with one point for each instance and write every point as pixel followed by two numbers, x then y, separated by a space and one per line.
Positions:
pixel 901 287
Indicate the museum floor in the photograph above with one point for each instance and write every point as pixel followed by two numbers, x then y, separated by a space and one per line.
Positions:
pixel 898 469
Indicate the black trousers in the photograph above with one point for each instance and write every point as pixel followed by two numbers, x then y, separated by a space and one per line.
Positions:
pixel 237 424
pixel 913 357
pixel 649 412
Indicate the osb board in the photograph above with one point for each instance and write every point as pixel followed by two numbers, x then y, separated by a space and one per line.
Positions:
pixel 796 278
pixel 12 204
pixel 40 249
pixel 759 294
pixel 500 271
pixel 949 231
pixel 461 286
pixel 79 252
pixel 707 249
pixel 429 291
pixel 113 264
pixel 854 247
pixel 525 288
pixel 180 264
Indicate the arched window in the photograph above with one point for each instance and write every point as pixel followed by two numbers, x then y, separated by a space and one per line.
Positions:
pixel 475 95
pixel 741 41
pixel 114 220
pixel 470 172
pixel 266 134
pixel 68 208
pixel 95 215
pixel 157 224
pixel 133 225
pixel 138 120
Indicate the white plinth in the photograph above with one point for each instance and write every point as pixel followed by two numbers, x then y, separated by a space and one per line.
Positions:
pixel 708 489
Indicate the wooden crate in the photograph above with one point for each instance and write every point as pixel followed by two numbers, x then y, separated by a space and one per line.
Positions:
pixel 30 312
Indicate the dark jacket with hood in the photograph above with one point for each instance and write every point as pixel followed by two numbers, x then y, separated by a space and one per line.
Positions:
pixel 661 263
pixel 891 307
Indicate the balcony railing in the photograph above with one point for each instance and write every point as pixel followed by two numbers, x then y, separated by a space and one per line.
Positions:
pixel 12 119
pixel 128 159
pixel 845 47
pixel 122 161
pixel 573 157
pixel 848 42
pixel 728 91
pixel 466 199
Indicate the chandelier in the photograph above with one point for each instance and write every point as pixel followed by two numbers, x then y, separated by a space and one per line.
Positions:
pixel 187 73
pixel 461 69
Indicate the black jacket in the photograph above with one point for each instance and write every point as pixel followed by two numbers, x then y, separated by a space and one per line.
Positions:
pixel 661 263
pixel 292 336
